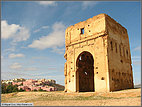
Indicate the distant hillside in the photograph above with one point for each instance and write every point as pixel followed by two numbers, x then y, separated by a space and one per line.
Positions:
pixel 59 87
pixel 137 86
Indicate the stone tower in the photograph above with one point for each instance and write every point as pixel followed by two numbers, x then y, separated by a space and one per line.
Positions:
pixel 98 56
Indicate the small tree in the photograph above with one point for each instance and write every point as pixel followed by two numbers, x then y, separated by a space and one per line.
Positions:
pixel 35 90
pixel 3 88
pixel 40 90
pixel 15 89
pixel 50 84
pixel 9 89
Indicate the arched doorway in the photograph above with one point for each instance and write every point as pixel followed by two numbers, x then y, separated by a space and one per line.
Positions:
pixel 85 72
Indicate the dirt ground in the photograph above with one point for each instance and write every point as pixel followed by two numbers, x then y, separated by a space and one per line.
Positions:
pixel 130 97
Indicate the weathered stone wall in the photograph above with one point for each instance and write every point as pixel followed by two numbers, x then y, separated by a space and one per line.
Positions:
pixel 120 69
pixel 99 31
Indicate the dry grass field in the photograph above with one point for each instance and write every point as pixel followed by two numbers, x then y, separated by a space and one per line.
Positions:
pixel 130 97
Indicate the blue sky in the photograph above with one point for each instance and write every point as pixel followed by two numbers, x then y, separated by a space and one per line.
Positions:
pixel 33 33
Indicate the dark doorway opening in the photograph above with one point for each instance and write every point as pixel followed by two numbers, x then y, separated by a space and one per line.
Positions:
pixel 85 72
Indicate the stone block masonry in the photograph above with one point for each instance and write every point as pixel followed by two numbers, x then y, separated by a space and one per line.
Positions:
pixel 98 56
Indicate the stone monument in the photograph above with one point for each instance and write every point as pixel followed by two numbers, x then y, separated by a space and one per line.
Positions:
pixel 98 56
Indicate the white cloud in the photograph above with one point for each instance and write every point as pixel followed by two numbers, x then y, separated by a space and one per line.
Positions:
pixel 2 57
pixel 137 48
pixel 16 55
pixel 86 4
pixel 31 69
pixel 136 57
pixel 16 66
pixel 11 49
pixel 55 39
pixel 47 3
pixel 23 47
pixel 40 58
pixel 8 31
pixel 136 62
pixel 22 35
pixel 58 50
pixel 10 75
pixel 16 32
pixel 43 27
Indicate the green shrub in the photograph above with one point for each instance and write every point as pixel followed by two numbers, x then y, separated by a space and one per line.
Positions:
pixel 35 90
pixel 9 88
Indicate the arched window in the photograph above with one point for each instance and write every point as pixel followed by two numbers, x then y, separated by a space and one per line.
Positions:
pixel 120 49
pixel 82 31
pixel 123 52
pixel 111 45
pixel 127 53
pixel 85 70
pixel 119 74
pixel 102 78
pixel 116 47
